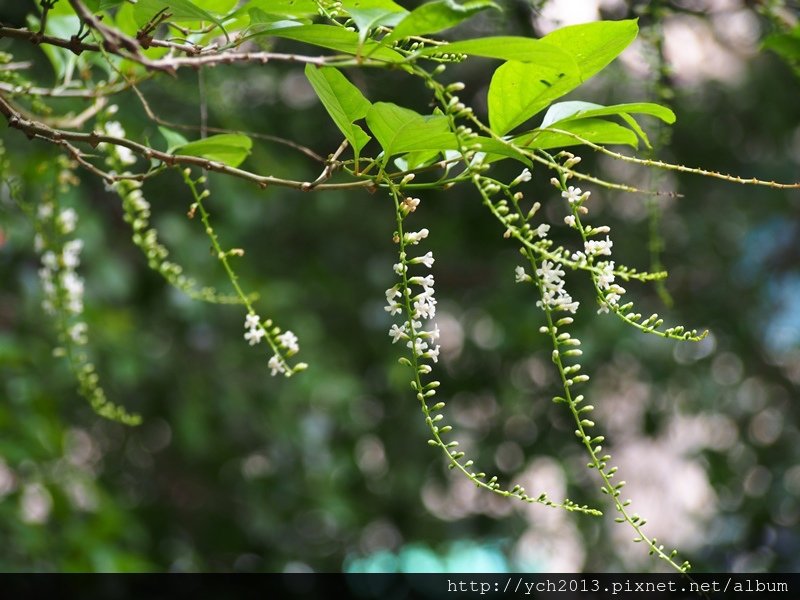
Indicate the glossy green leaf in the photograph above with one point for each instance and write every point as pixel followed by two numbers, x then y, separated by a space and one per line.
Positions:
pixel 510 48
pixel 497 150
pixel 433 17
pixel 228 148
pixel 350 5
pixel 369 18
pixel 261 22
pixel 339 39
pixel 594 45
pixel 218 7
pixel 519 90
pixel 576 109
pixel 598 131
pixel 344 102
pixel 562 111
pixel 400 130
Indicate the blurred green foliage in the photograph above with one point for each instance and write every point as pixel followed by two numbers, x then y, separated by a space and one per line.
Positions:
pixel 235 470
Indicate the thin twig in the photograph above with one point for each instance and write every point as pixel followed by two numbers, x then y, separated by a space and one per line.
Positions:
pixel 36 129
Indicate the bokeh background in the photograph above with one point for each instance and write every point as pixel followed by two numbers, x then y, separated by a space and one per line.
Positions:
pixel 233 470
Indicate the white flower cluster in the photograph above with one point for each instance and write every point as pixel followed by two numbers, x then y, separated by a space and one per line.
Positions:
pixel 423 342
pixel 61 283
pixel 605 283
pixel 554 296
pixel 123 154
pixel 255 332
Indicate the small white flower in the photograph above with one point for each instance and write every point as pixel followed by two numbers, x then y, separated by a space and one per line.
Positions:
pixel 523 177
pixel 520 275
pixel 425 282
pixel 399 268
pixel 276 364
pixel 393 308
pixel 398 333
pixel 542 230
pixel 574 195
pixel 425 306
pixel 606 277
pixel 78 333
pixel 254 336
pixel 50 260
pixel 598 247
pixel 426 260
pixel 71 253
pixel 570 220
pixel 67 220
pixel 114 129
pixel 72 283
pixel 410 204
pixel 252 321
pixel 414 237
pixel 418 345
pixel 289 341
pixel 45 211
pixel 433 354
pixel 125 155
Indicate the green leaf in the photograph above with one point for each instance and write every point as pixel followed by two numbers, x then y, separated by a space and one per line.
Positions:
pixel 519 90
pixel 343 101
pixel 339 39
pixel 293 9
pixel 400 130
pixel 173 138
pixel 106 4
pixel 510 48
pixel 372 4
pixel 369 18
pixel 594 45
pixel 598 131
pixel 576 109
pixel 261 21
pixel 218 7
pixel 562 111
pixel 181 10
pixel 228 148
pixel 496 150
pixel 433 17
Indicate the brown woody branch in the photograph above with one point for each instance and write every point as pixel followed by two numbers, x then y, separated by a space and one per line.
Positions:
pixel 35 129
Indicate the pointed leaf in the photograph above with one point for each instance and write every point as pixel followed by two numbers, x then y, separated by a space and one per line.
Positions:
pixel 520 90
pixel 433 17
pixel 510 48
pixel 228 148
pixel 594 45
pixel 344 102
pixel 576 109
pixel 402 130
pixel 339 39
pixel 598 131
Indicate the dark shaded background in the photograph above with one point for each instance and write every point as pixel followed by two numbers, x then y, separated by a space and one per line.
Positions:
pixel 235 470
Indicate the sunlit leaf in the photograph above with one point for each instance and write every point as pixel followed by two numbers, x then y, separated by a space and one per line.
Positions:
pixel 594 45
pixel 433 17
pixel 228 148
pixel 598 131
pixel 400 130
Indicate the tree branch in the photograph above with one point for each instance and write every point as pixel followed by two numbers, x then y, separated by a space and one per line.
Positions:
pixel 36 129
